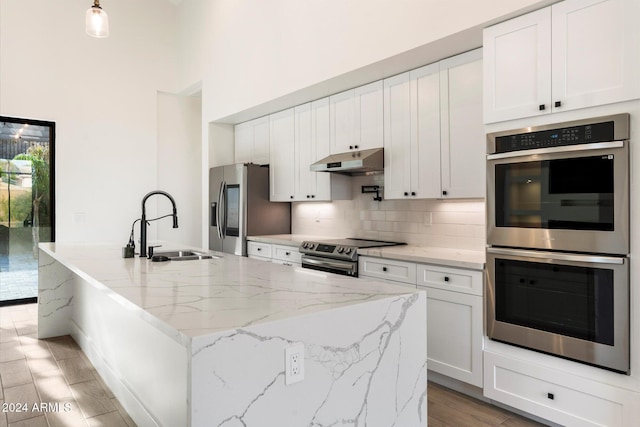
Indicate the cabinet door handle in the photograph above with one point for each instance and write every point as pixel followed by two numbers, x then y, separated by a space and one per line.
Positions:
pixel 313 196
pixel 446 278
pixel 351 147
pixel 384 268
pixel 413 193
pixel 308 196
pixel 291 197
pixel 406 194
pixel 444 192
pixel 355 146
pixel 541 107
pixel 259 249
pixel 550 396
pixel 287 253
pixel 558 104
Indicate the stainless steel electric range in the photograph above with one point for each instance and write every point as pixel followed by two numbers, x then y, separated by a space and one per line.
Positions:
pixel 337 256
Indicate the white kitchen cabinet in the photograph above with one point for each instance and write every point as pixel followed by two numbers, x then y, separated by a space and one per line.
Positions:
pixel 387 269
pixel 573 54
pixel 412 134
pixel 356 120
pixel 450 279
pixel 259 250
pixel 454 321
pixel 251 141
pixel 462 137
pixel 433 136
pixel 286 255
pixel 454 312
pixel 454 335
pixel 277 254
pixel 281 163
pixel 301 137
pixel 312 144
pixel 556 395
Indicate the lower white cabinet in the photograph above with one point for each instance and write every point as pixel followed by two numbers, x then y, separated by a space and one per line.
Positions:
pixel 387 269
pixel 286 255
pixel 454 312
pixel 259 250
pixel 556 395
pixel 278 254
pixel 454 335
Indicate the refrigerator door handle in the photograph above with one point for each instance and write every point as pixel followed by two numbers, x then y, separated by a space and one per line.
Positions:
pixel 219 205
pixel 223 210
pixel 213 214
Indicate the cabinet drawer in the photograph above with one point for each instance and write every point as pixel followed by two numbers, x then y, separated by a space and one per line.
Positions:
pixel 450 279
pixel 285 253
pixel 259 249
pixel 398 271
pixel 556 395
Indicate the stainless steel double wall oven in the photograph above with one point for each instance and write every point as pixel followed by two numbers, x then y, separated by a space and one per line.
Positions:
pixel 558 240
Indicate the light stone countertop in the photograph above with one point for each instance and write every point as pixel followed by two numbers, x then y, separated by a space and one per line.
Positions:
pixel 460 258
pixel 287 239
pixel 201 297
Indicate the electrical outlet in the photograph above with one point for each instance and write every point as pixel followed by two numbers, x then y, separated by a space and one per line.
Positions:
pixel 294 363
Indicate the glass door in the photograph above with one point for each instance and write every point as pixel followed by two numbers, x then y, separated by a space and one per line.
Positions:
pixel 26 204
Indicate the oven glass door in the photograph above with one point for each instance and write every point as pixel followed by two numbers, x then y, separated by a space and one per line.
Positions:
pixel 562 299
pixel 571 305
pixel 576 200
pixel 575 193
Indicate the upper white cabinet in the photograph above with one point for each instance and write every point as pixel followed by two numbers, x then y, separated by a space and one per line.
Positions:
pixel 356 121
pixel 281 163
pixel 252 141
pixel 433 134
pixel 463 143
pixel 573 54
pixel 300 137
pixel 412 134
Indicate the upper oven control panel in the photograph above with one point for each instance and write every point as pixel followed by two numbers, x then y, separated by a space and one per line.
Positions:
pixel 586 131
pixel 585 134
pixel 329 250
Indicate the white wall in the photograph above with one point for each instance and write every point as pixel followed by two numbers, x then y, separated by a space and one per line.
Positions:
pixel 263 50
pixel 179 166
pixel 101 93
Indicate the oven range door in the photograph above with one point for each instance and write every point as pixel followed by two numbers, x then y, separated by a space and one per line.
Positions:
pixel 570 305
pixel 330 265
pixel 572 199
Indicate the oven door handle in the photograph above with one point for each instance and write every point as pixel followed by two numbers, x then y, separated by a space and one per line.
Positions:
pixel 551 150
pixel 322 262
pixel 593 259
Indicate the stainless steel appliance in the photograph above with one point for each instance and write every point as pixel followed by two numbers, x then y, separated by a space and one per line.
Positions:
pixel 571 305
pixel 240 207
pixel 561 187
pixel 363 162
pixel 337 256
pixel 558 240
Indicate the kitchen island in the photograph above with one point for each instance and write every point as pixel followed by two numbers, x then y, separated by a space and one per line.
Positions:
pixel 202 343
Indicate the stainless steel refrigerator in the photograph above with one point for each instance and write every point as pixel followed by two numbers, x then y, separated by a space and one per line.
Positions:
pixel 239 206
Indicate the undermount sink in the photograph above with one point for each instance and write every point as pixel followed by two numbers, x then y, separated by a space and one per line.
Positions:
pixel 186 255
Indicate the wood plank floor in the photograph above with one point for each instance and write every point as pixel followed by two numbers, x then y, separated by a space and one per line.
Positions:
pixel 57 371
pixel 452 409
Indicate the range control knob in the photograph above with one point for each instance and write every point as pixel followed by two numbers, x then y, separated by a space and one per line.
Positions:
pixel 340 249
pixel 347 250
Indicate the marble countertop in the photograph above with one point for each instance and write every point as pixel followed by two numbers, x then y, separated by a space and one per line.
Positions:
pixel 474 260
pixel 201 297
pixel 287 239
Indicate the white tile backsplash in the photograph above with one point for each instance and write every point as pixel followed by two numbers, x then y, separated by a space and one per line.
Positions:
pixel 458 224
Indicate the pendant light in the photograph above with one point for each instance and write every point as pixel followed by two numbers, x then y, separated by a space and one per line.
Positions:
pixel 97 21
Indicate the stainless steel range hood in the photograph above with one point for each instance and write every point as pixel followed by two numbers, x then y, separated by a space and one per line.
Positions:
pixel 364 162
